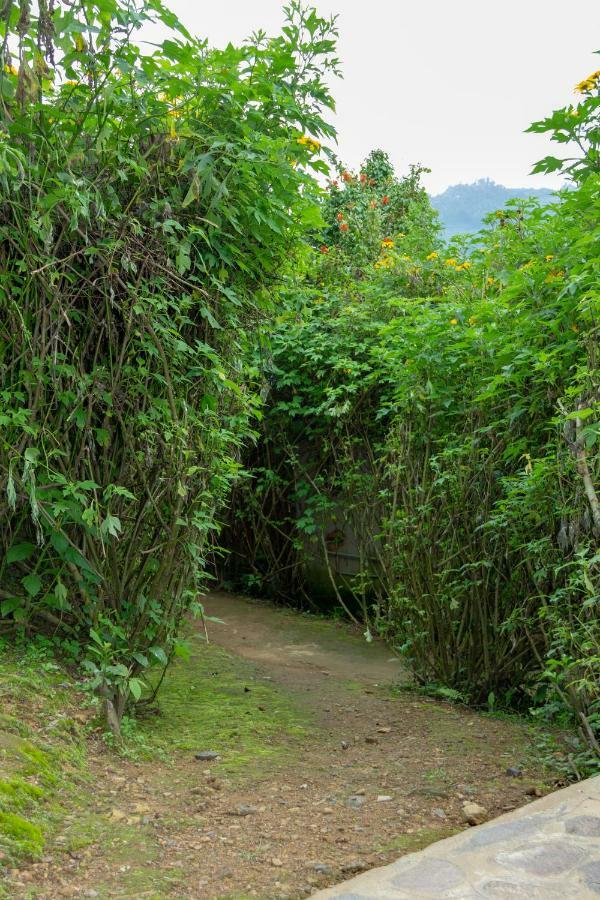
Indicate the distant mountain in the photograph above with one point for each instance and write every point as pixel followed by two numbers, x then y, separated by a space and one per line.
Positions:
pixel 462 207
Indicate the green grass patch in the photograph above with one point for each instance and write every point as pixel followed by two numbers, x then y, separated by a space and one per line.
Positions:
pixel 219 702
pixel 41 755
pixel 411 843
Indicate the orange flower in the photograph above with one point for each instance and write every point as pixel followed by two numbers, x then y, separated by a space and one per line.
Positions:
pixel 324 249
pixel 340 216
pixel 343 226
pixel 346 176
pixel 363 177
pixel 385 200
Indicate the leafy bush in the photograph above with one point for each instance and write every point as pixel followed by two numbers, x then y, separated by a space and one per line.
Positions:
pixel 442 407
pixel 148 202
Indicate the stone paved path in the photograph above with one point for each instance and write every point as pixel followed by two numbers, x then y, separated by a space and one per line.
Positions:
pixel 549 850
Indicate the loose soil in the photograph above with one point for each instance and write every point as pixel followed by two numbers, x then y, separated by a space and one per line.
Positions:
pixel 327 766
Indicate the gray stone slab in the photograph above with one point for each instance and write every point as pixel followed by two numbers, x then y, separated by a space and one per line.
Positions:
pixel 428 877
pixel 548 850
pixel 549 858
pixel 499 889
pixel 591 875
pixel 504 831
pixel 584 826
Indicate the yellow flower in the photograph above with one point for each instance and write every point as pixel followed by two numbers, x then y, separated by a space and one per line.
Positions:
pixel 451 262
pixel 588 84
pixel 472 320
pixel 386 262
pixel 310 143
pixel 549 257
pixel 387 244
pixel 490 280
pixel 454 321
pixel 526 265
pixel 11 70
pixel 432 255
pixel 575 328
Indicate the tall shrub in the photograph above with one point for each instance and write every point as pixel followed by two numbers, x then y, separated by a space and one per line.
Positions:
pixel 148 201
pixel 443 405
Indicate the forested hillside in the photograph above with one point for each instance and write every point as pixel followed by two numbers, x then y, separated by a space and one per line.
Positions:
pixel 463 207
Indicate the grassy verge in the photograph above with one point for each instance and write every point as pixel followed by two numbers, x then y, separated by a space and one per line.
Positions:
pixel 42 752
pixel 215 701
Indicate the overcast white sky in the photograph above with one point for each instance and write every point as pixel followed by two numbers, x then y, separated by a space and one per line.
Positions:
pixel 451 85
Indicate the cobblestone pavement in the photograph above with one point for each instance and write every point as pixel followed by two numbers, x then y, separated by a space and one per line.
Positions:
pixel 549 850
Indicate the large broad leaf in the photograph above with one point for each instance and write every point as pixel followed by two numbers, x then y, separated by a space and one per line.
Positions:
pixel 19 552
pixel 9 605
pixel 32 584
pixel 159 654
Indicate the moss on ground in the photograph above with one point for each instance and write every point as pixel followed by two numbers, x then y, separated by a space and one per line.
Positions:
pixel 418 840
pixel 221 703
pixel 41 758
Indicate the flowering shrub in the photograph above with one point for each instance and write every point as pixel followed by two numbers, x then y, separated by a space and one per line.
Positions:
pixel 442 405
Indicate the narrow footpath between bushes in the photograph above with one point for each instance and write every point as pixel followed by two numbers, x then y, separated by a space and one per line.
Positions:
pixel 325 768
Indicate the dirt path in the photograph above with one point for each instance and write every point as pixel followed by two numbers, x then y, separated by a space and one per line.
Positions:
pixel 358 775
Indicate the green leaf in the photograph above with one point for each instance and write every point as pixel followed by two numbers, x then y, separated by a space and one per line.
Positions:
pixel 159 654
pixel 9 605
pixel 182 650
pixel 32 584
pixel 135 686
pixel 118 669
pixel 20 552
pixel 139 657
pixel 111 525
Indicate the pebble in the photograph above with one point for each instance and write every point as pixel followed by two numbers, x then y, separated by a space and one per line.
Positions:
pixel 206 755
pixel 322 869
pixel 514 772
pixel 384 798
pixel 533 791
pixel 355 801
pixel 350 868
pixel 345 745
pixel 243 810
pixel 473 813
pixel 276 862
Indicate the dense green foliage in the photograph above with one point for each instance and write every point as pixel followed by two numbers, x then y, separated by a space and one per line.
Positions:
pixel 148 201
pixel 442 408
pixel 176 291
pixel 462 208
